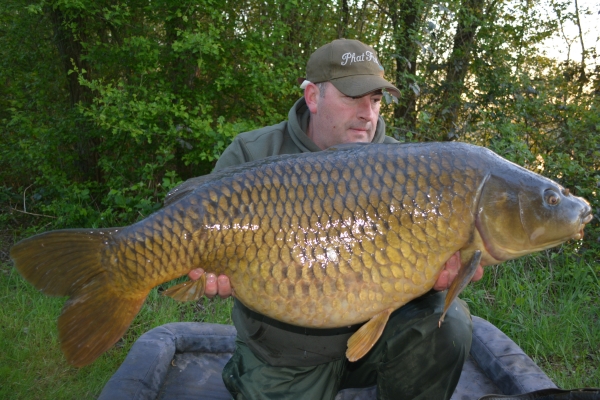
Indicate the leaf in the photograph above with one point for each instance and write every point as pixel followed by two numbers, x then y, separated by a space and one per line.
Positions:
pixel 415 88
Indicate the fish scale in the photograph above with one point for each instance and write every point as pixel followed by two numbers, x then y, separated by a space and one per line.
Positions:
pixel 320 240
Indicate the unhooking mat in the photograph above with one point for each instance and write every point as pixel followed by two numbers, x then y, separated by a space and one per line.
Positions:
pixel 184 361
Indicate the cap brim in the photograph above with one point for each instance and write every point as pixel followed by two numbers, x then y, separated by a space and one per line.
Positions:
pixel 360 85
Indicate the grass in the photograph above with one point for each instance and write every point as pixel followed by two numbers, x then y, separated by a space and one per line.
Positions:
pixel 548 304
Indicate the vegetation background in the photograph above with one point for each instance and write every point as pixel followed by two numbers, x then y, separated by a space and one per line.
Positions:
pixel 105 105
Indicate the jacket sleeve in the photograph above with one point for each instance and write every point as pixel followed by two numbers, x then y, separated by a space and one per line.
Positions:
pixel 235 154
pixel 256 145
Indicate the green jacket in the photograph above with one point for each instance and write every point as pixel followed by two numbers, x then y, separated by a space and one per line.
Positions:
pixel 272 341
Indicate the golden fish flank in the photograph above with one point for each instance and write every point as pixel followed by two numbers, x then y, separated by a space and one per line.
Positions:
pixel 324 239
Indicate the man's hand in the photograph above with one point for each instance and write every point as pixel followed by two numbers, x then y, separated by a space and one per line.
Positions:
pixel 214 285
pixel 451 270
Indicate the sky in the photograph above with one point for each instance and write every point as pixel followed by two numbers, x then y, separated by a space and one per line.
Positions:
pixel 558 46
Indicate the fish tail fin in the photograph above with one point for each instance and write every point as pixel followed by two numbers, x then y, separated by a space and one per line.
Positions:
pixel 93 322
pixel 70 263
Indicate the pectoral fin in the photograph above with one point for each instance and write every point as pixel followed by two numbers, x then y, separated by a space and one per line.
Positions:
pixel 363 339
pixel 188 290
pixel 461 281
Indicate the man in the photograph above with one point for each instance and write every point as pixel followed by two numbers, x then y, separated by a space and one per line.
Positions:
pixel 414 358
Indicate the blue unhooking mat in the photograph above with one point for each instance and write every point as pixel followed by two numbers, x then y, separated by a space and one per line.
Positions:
pixel 184 361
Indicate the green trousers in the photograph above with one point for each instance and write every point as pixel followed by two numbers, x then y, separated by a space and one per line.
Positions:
pixel 413 359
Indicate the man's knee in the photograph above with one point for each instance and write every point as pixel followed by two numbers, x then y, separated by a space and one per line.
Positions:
pixel 425 360
pixel 248 377
pixel 418 333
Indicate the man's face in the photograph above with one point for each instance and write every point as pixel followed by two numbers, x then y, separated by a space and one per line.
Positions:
pixel 337 118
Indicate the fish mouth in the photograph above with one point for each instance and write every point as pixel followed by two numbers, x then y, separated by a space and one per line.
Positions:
pixel 586 217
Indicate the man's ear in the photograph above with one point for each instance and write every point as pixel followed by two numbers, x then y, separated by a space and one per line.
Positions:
pixel 311 95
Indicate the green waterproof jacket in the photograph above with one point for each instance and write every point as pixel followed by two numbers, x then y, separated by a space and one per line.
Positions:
pixel 272 341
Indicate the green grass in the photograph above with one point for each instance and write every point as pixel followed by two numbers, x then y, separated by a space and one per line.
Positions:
pixel 31 364
pixel 549 305
pixel 551 308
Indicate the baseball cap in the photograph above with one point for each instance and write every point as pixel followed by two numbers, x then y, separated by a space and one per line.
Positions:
pixel 351 66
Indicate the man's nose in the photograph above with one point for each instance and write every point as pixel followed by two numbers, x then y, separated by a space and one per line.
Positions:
pixel 364 110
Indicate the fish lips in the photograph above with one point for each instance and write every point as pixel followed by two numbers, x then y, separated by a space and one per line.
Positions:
pixel 586 218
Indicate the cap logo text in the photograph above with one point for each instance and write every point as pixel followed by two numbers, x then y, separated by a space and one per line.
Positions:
pixel 352 58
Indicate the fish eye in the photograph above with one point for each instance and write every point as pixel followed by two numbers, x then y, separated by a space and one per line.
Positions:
pixel 551 197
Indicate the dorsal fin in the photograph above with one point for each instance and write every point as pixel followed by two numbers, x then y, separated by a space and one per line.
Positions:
pixel 184 189
pixel 188 187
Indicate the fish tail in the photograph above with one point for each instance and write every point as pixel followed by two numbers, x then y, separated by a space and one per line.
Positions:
pixel 70 263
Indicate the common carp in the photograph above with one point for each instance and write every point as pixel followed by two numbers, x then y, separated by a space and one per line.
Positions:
pixel 321 240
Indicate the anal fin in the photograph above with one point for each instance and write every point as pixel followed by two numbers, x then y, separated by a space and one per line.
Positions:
pixel 461 281
pixel 365 338
pixel 188 290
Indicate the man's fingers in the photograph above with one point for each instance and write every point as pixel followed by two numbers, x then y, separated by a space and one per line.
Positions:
pixel 453 263
pixel 450 271
pixel 220 286
pixel 214 285
pixel 478 274
pixel 442 281
pixel 195 274
pixel 224 286
pixel 211 288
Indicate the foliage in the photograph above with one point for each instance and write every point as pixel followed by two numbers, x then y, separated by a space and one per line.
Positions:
pixel 138 97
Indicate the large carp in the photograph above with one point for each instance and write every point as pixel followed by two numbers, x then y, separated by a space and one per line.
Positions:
pixel 321 240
